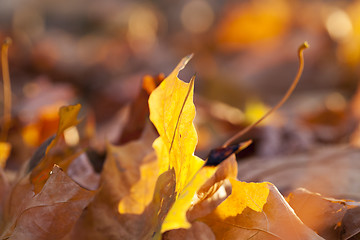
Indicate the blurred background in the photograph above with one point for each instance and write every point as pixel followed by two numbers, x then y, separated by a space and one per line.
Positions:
pixel 245 58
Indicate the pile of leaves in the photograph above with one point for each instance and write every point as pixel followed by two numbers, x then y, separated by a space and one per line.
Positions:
pixel 152 186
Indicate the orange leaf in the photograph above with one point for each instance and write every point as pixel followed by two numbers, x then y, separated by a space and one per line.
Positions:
pixel 5 149
pixel 68 118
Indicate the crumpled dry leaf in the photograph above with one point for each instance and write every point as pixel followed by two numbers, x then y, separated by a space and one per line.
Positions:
pixel 50 214
pixel 214 191
pixel 335 168
pixel 326 216
pixel 266 215
pixel 117 211
pixel 83 173
pixel 139 110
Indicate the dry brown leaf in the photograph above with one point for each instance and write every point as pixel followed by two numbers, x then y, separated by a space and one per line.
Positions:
pixel 215 190
pixel 4 187
pixel 50 214
pixel 351 224
pixel 83 173
pixel 120 175
pixel 324 215
pixel 335 169
pixel 277 220
pixel 67 118
pixel 139 110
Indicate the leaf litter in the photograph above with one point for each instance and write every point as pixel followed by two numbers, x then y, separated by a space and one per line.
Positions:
pixel 152 186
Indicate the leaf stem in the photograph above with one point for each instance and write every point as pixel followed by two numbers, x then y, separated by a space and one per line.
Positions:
pixel 282 101
pixel 7 88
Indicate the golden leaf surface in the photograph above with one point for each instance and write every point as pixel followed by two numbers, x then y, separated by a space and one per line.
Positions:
pixel 251 195
pixel 176 218
pixel 172 111
pixel 5 149
pixel 256 211
pixel 128 204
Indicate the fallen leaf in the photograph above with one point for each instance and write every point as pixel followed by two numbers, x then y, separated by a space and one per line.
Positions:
pixel 141 193
pixel 83 173
pixel 256 211
pixel 324 215
pixel 335 168
pixel 176 218
pixel 139 110
pixel 50 214
pixel 68 118
pixel 172 111
pixel 214 191
pixel 350 224
pixel 117 210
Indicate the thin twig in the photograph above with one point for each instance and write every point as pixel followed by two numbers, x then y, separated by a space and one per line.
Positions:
pixel 282 101
pixel 7 88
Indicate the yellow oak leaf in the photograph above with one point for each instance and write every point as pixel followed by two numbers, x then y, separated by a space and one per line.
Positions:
pixel 172 111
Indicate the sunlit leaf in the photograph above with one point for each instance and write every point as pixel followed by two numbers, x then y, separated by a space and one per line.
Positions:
pixel 141 193
pixel 5 149
pixel 251 195
pixel 125 206
pixel 256 211
pixel 172 111
pixel 176 217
